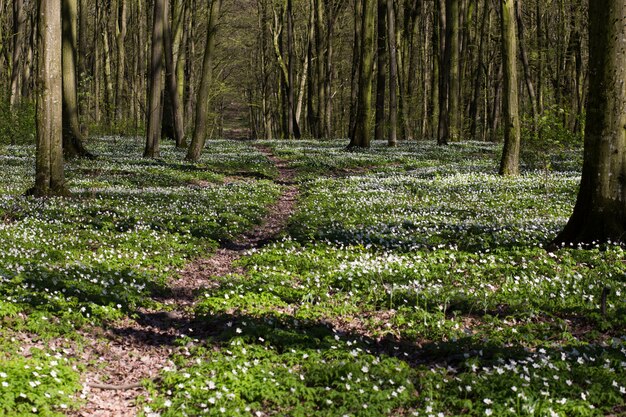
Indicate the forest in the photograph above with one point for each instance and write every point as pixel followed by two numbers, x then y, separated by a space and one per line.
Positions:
pixel 312 208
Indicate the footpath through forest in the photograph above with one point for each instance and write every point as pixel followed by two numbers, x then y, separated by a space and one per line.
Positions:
pixel 123 356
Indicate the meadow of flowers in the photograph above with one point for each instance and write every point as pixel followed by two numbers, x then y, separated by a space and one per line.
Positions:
pixel 409 282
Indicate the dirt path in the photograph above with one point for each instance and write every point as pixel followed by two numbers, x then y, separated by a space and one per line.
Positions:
pixel 135 350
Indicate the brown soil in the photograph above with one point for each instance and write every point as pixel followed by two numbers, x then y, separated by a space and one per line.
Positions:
pixel 132 351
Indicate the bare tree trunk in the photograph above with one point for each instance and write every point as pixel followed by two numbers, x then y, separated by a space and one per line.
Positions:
pixel 363 127
pixel 202 106
pixel 19 37
pixel 453 68
pixel 108 80
pixel 49 173
pixel 381 64
pixel 510 154
pixel 600 212
pixel 527 75
pixel 72 137
pixel 172 87
pixel 156 86
pixel 120 38
pixel 356 68
pixel 393 75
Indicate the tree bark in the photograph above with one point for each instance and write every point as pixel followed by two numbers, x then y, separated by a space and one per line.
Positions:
pixel 172 85
pixel 600 212
pixel 509 164
pixel 153 133
pixel 363 123
pixel 72 137
pixel 453 69
pixel 49 174
pixel 120 38
pixel 202 106
pixel 393 75
pixel 381 76
pixel 19 37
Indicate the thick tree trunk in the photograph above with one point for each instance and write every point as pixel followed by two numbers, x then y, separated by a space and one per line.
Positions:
pixel 363 123
pixel 49 175
pixel 72 137
pixel 153 133
pixel 509 164
pixel 600 211
pixel 202 106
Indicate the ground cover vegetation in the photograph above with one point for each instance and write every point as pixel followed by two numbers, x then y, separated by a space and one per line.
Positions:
pixel 409 281
pixel 296 278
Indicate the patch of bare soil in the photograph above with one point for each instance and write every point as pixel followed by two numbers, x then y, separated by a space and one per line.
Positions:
pixel 132 351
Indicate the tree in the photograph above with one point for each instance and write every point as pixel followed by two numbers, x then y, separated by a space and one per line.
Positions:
pixel 156 86
pixel 72 137
pixel 19 24
pixel 600 211
pixel 202 105
pixel 49 174
pixel 509 164
pixel 393 75
pixel 172 84
pixel 363 124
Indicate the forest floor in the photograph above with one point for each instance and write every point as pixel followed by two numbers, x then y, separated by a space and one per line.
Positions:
pixel 298 279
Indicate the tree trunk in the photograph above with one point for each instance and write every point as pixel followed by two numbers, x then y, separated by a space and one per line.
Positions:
pixel 172 86
pixel 153 133
pixel 527 75
pixel 363 124
pixel 381 76
pixel 453 69
pixel 202 106
pixel 356 68
pixel 120 37
pixel 510 154
pixel 49 175
pixel 600 212
pixel 19 37
pixel 72 137
pixel 393 75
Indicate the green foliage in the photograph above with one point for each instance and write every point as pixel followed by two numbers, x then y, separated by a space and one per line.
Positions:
pixel 17 125
pixel 551 146
pixel 41 385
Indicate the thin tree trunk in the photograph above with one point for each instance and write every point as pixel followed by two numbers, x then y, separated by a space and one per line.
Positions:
pixel 120 38
pixel 72 137
pixel 393 75
pixel 527 75
pixel 108 81
pixel 381 76
pixel 172 87
pixel 19 37
pixel 202 106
